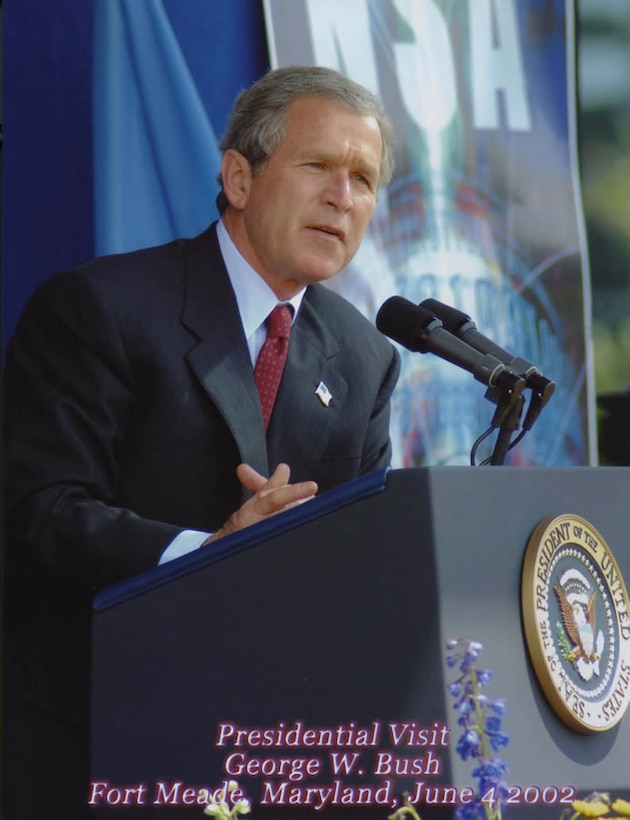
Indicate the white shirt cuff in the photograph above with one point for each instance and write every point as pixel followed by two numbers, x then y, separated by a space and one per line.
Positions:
pixel 187 541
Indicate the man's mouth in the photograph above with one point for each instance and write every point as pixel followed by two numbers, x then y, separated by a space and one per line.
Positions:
pixel 331 231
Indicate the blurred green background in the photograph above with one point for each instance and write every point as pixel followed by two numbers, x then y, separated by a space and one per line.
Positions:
pixel 604 144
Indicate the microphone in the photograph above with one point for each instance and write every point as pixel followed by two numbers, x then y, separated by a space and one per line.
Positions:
pixel 419 330
pixel 462 326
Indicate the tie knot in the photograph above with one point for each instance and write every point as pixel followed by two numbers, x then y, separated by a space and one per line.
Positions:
pixel 278 323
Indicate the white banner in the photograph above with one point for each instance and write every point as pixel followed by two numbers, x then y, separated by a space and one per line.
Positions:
pixel 484 209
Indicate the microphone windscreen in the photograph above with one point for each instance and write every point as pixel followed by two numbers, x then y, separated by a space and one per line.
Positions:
pixel 404 322
pixel 451 318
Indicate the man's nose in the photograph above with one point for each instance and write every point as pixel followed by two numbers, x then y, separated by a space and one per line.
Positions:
pixel 339 190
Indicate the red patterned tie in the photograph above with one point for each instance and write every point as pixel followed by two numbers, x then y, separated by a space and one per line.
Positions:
pixel 271 359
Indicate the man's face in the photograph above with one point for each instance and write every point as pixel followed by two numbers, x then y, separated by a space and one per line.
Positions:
pixel 302 215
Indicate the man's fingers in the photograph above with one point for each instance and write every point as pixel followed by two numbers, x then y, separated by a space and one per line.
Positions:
pixel 298 502
pixel 249 478
pixel 272 500
pixel 269 496
pixel 253 481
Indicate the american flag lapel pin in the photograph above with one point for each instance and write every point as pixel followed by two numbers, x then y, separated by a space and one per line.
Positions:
pixel 323 394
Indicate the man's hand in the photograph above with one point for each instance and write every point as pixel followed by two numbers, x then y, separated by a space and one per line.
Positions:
pixel 270 496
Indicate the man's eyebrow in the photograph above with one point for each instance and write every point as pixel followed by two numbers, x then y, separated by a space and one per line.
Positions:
pixel 357 164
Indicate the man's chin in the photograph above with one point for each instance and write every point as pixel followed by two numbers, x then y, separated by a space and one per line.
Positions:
pixel 322 275
pixel 311 270
pixel 321 269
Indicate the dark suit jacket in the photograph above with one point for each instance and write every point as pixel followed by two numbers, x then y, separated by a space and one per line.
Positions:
pixel 130 400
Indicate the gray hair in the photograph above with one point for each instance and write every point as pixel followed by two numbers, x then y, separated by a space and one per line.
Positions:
pixel 256 125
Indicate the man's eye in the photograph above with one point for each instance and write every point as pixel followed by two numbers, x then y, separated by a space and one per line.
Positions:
pixel 363 180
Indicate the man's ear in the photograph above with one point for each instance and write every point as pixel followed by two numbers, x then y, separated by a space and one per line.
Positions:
pixel 236 174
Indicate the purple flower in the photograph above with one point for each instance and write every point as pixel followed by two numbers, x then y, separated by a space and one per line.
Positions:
pixel 498 740
pixel 481 720
pixel 465 706
pixel 490 782
pixel 468 745
pixel 491 769
pixel 471 811
pixel 484 676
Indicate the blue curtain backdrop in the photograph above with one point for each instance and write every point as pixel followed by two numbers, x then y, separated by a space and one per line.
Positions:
pixel 155 152
pixel 56 131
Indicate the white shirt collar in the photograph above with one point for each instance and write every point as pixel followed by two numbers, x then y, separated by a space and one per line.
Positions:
pixel 254 297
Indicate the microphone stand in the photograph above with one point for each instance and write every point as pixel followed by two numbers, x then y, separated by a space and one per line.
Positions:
pixel 508 425
pixel 507 394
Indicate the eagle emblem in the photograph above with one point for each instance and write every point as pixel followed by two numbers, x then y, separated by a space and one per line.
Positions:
pixel 582 645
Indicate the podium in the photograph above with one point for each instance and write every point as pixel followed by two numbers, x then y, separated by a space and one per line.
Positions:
pixel 334 616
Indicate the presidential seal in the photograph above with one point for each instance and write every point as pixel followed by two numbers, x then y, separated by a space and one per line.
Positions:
pixel 576 617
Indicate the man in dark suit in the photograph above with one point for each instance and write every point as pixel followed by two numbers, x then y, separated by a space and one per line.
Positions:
pixel 135 431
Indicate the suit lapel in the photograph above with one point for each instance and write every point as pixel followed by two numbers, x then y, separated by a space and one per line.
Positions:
pixel 301 424
pixel 220 359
